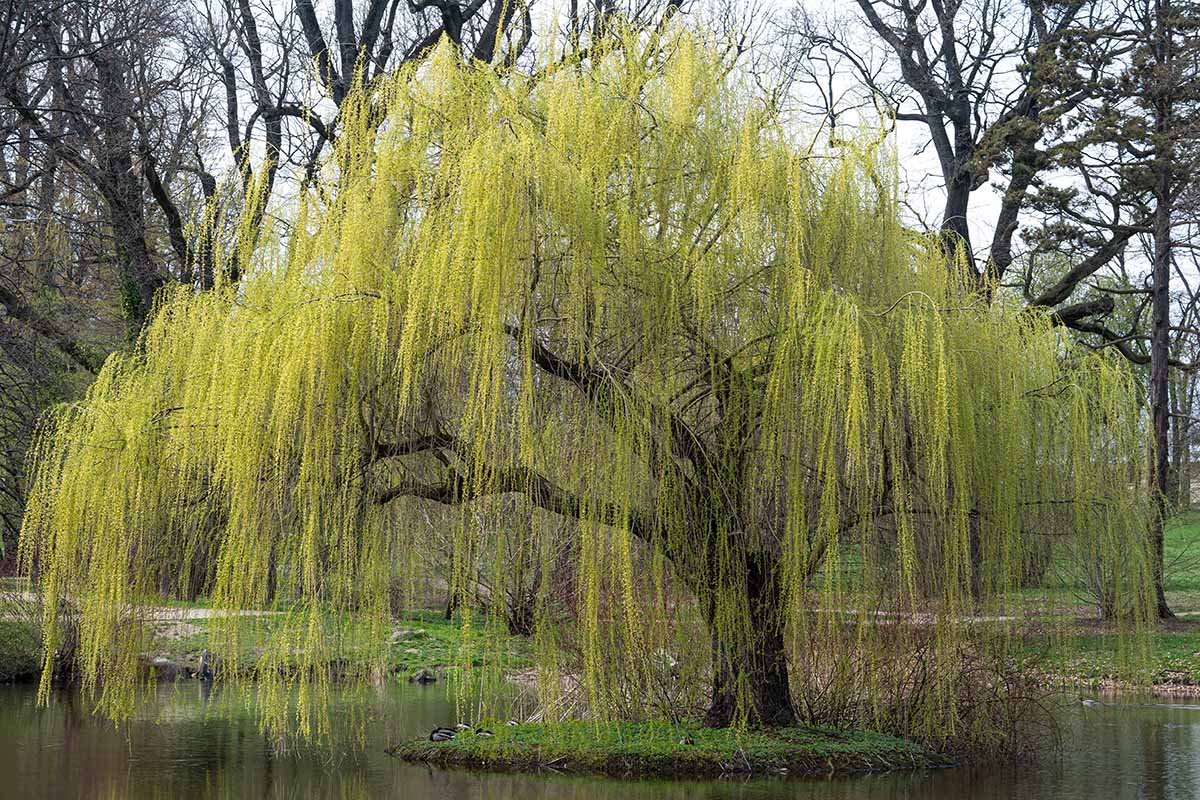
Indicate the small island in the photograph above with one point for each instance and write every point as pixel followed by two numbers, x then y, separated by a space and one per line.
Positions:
pixel 661 749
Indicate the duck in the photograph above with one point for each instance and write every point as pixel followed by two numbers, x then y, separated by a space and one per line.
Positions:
pixel 512 723
pixel 462 726
pixel 483 732
pixel 441 735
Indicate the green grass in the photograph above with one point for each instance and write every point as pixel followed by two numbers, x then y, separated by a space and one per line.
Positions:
pixel 14 584
pixel 20 650
pixel 429 642
pixel 1181 560
pixel 1093 658
pixel 1092 655
pixel 655 748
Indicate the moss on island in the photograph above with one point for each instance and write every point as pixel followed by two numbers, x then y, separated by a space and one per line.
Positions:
pixel 664 749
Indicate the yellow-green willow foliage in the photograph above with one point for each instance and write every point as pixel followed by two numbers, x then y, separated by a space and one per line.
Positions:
pixel 778 421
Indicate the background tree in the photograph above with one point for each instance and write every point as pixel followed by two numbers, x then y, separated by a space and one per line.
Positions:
pixel 1137 149
pixel 79 234
pixel 1174 84
pixel 102 89
pixel 986 80
pixel 1054 98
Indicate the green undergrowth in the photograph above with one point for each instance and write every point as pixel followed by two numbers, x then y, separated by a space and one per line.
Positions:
pixel 20 650
pixel 665 749
pixel 1090 653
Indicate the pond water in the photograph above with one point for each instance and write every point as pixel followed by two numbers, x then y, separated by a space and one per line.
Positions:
pixel 179 748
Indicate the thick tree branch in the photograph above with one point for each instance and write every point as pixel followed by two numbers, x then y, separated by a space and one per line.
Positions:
pixel 1062 289
pixel 19 310
pixel 540 490
pixel 319 49
pixel 1070 316
pixel 175 230
pixel 601 387
pixel 420 444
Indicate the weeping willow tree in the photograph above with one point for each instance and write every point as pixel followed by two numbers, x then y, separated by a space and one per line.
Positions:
pixel 772 413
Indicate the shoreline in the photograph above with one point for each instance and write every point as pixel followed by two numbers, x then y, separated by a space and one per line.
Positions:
pixel 664 750
pixel 1118 688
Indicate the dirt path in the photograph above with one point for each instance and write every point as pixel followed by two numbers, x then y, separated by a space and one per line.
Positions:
pixel 163 613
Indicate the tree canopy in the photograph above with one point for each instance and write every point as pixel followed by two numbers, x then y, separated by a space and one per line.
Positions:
pixel 775 415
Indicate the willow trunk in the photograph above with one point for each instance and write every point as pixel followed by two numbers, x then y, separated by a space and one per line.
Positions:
pixel 750 671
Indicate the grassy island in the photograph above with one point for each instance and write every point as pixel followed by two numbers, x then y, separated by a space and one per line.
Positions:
pixel 664 749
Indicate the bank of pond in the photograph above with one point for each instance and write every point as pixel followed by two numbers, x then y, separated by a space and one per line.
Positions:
pixel 662 749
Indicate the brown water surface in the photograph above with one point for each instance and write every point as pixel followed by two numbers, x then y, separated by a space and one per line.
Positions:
pixel 180 747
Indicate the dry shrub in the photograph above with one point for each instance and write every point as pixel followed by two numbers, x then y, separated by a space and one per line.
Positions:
pixel 972 699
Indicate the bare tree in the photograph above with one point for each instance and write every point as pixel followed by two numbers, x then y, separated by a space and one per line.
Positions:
pixel 992 83
pixel 100 87
pixel 1078 109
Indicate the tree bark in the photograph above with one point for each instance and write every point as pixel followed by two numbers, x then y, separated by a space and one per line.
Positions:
pixel 955 231
pixel 121 186
pixel 750 673
pixel 1160 337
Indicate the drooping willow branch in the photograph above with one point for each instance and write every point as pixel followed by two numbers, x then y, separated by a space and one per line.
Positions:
pixel 627 294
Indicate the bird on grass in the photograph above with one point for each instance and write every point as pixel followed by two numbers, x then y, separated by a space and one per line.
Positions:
pixel 441 735
pixel 483 732
pixel 462 726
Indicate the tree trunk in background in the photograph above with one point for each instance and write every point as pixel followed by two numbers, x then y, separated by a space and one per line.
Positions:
pixel 1187 402
pixel 121 186
pixel 1160 336
pixel 955 231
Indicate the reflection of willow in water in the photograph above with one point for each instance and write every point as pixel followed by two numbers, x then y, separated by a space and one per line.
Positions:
pixel 183 744
pixel 1111 753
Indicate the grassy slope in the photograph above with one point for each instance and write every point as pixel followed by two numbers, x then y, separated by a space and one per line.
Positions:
pixel 20 650
pixel 1092 654
pixel 430 642
pixel 652 748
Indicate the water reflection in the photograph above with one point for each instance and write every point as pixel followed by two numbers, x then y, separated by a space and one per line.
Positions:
pixel 185 745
